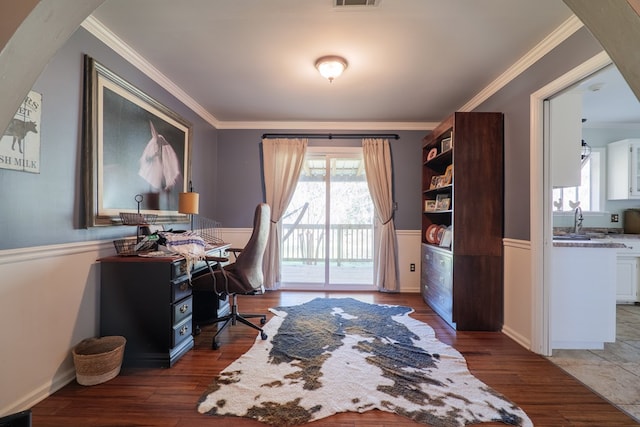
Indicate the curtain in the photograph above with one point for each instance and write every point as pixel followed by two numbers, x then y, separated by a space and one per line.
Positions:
pixel 377 164
pixel 282 161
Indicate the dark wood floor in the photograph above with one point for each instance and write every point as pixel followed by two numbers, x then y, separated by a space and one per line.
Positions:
pixel 168 397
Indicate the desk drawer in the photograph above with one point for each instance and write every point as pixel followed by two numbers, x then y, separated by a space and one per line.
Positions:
pixel 182 331
pixel 180 289
pixel 182 309
pixel 179 267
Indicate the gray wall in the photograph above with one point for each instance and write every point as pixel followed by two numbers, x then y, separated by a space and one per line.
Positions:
pixel 513 100
pixel 240 174
pixel 46 208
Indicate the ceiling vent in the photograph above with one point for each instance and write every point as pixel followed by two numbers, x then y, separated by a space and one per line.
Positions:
pixel 343 3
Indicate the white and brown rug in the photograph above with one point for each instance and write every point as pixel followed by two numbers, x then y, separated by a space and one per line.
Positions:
pixel 335 355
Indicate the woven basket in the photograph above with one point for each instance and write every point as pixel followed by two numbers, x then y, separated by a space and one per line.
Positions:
pixel 98 360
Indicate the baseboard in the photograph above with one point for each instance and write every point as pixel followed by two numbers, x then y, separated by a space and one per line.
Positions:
pixel 40 393
pixel 520 339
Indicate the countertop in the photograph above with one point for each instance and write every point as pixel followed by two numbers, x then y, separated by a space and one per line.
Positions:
pixel 593 243
pixel 598 239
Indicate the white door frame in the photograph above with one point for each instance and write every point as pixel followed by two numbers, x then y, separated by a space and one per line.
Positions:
pixel 541 229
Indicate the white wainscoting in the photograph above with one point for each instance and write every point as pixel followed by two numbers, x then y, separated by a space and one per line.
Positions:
pixel 49 300
pixel 518 291
pixel 408 253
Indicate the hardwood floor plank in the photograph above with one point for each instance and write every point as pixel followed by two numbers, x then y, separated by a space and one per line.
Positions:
pixel 168 397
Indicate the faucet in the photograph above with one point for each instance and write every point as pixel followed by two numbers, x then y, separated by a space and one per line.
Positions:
pixel 577 220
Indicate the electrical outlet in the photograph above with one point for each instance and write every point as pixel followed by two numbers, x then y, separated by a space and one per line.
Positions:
pixel 412 267
pixel 615 218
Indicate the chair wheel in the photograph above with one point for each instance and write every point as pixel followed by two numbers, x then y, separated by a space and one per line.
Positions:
pixel 263 335
pixel 263 320
pixel 215 345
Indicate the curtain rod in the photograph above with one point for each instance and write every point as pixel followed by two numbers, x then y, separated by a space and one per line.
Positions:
pixel 331 135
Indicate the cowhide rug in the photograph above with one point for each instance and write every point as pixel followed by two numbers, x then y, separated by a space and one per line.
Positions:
pixel 334 355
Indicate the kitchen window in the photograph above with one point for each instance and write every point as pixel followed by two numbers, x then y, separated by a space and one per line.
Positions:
pixel 591 190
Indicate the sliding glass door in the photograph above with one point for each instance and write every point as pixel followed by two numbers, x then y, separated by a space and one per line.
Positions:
pixel 328 231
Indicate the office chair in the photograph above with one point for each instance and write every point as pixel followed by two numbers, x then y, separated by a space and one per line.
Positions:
pixel 242 277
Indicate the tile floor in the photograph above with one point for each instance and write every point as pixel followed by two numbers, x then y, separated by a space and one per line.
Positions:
pixel 613 373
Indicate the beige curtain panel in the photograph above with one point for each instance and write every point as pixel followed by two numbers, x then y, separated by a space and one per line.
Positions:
pixel 377 164
pixel 282 162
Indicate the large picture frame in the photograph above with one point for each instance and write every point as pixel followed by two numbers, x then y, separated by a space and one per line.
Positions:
pixel 133 146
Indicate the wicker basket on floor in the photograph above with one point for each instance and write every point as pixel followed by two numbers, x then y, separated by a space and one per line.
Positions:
pixel 98 360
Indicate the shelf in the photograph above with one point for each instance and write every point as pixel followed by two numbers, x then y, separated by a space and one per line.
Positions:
pixel 439 190
pixel 439 212
pixel 440 161
pixel 446 249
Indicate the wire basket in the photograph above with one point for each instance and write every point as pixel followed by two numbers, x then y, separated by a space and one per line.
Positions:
pixel 126 247
pixel 208 229
pixel 135 218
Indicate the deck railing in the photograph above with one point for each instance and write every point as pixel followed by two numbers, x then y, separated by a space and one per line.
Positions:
pixel 306 243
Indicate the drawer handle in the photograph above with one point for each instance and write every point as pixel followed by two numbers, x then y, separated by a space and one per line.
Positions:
pixel 183 268
pixel 184 330
pixel 184 308
pixel 184 286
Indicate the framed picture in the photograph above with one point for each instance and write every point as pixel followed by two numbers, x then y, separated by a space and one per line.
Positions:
pixel 447 178
pixel 435 182
pixel 429 205
pixel 445 145
pixel 133 146
pixel 443 202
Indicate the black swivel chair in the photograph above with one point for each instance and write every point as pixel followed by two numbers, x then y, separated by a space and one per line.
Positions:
pixel 242 277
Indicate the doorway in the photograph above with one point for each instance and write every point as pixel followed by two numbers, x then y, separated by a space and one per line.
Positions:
pixel 543 203
pixel 327 230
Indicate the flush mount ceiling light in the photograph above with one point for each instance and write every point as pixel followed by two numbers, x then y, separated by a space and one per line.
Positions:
pixel 331 67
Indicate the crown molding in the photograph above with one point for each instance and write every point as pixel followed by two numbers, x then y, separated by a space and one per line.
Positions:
pixel 105 35
pixel 426 126
pixel 560 34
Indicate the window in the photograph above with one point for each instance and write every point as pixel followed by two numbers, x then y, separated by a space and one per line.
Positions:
pixel 328 232
pixel 589 193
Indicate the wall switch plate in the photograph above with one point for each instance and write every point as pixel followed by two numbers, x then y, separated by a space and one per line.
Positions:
pixel 615 218
pixel 412 267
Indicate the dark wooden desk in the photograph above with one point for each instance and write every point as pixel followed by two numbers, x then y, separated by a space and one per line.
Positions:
pixel 149 301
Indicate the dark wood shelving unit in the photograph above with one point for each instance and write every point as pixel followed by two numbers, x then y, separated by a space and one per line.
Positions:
pixel 463 282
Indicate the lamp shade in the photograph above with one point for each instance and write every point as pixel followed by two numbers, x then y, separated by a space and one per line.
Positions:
pixel 188 203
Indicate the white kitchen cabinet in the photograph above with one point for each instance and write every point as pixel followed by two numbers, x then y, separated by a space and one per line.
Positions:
pixel 565 137
pixel 626 280
pixel 623 169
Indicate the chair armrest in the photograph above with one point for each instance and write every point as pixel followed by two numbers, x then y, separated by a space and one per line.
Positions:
pixel 216 258
pixel 235 250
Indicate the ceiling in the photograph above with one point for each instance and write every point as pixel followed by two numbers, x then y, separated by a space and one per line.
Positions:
pixel 411 62
pixel 607 100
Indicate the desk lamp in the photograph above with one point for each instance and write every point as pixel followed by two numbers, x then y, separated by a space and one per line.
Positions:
pixel 188 203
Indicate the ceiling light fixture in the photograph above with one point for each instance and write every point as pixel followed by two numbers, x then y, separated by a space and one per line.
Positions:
pixel 331 67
